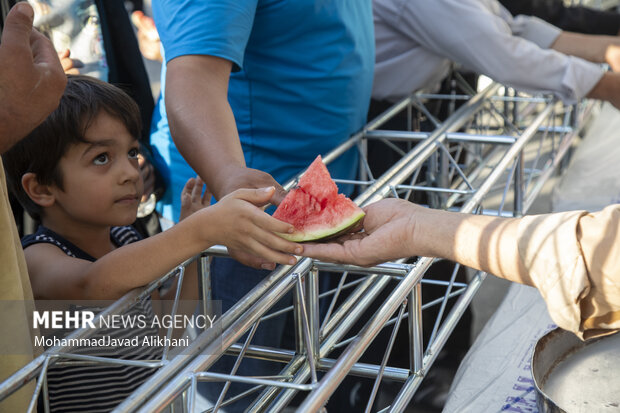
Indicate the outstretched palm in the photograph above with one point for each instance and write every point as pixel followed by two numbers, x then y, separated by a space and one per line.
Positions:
pixel 387 232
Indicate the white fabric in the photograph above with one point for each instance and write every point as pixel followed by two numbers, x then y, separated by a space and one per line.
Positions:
pixel 495 375
pixel 592 179
pixel 417 39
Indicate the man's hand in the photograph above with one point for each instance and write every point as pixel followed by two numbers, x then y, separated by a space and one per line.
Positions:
pixel 31 77
pixel 389 227
pixel 203 127
pixel 241 177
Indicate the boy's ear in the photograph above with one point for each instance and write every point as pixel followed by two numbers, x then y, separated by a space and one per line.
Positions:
pixel 40 194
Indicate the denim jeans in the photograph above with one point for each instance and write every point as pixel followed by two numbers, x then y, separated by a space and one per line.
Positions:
pixel 231 281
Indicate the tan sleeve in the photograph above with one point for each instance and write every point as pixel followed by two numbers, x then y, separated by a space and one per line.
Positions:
pixel 573 258
pixel 15 301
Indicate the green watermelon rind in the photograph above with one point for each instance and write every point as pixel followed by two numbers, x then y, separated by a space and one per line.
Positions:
pixel 323 234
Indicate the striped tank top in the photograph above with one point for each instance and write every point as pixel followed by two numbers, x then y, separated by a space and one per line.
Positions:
pixel 98 387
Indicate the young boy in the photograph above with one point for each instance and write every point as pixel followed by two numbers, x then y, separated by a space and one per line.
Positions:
pixel 78 173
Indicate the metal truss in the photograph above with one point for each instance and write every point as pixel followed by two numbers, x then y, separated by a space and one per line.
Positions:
pixel 497 143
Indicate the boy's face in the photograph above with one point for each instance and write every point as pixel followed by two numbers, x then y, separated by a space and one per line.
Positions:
pixel 101 179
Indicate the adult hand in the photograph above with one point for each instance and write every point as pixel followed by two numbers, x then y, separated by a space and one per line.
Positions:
pixel 389 227
pixel 69 65
pixel 239 177
pixel 31 77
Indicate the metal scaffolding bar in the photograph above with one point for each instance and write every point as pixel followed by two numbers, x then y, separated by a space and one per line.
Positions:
pixel 477 150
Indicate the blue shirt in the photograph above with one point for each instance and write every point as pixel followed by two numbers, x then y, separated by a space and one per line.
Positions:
pixel 302 73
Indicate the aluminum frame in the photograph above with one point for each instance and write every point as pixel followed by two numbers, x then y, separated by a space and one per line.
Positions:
pixel 494 130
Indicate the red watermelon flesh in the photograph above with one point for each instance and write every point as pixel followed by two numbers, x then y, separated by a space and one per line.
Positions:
pixel 317 182
pixel 315 208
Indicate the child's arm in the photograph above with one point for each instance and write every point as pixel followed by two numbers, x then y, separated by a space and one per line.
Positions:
pixel 235 221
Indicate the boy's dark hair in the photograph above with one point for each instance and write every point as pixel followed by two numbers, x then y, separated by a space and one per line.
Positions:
pixel 41 150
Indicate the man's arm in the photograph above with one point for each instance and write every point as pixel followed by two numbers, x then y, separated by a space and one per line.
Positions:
pixel 203 126
pixel 201 120
pixel 598 49
pixel 482 242
pixel 578 19
pixel 571 257
pixel 481 38
pixel 395 228
pixel 607 89
pixel 594 48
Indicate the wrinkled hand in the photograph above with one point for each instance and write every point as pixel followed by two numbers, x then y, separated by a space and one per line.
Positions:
pixel 193 199
pixel 31 77
pixel 244 227
pixel 388 226
pixel 69 65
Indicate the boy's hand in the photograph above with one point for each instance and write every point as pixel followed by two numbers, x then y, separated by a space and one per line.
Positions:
pixel 235 178
pixel 244 227
pixel 147 170
pixel 148 38
pixel 193 198
pixel 69 65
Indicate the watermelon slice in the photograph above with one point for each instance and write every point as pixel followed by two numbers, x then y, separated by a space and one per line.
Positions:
pixel 315 208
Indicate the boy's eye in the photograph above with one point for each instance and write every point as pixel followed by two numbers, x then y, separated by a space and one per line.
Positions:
pixel 133 153
pixel 101 159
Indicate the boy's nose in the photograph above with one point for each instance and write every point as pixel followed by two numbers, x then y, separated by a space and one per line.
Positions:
pixel 130 171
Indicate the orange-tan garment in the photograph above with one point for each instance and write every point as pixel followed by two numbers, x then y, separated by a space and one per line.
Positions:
pixel 16 295
pixel 573 258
